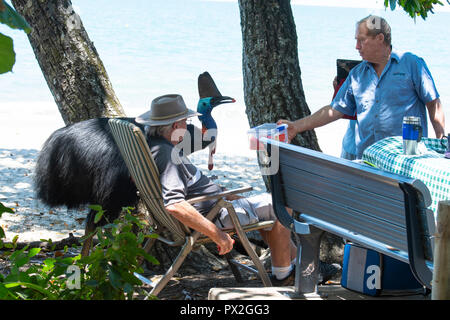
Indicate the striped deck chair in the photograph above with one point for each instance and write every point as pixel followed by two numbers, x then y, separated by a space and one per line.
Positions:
pixel 136 153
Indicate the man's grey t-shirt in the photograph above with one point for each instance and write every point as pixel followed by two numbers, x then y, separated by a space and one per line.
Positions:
pixel 180 179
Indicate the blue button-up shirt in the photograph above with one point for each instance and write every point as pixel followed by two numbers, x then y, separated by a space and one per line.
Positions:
pixel 403 89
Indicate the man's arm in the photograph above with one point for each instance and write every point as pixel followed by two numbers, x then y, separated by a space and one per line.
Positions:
pixel 318 119
pixel 189 216
pixel 437 117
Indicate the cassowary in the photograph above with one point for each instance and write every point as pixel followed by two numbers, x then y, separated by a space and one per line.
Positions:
pixel 210 97
pixel 80 164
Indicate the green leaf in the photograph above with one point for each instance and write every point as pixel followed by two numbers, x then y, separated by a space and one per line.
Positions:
pixel 7 60
pixel 33 252
pixel 98 216
pixel 2 207
pixel 392 4
pixel 99 213
pixel 150 258
pixel 95 207
pixel 48 266
pixel 152 236
pixel 31 286
pixel 92 283
pixel 21 261
pixel 14 20
pixel 14 240
pixel 114 277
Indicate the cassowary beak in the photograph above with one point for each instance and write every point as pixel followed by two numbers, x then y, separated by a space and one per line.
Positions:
pixel 215 101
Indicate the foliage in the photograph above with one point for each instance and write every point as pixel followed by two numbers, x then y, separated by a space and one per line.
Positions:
pixel 107 273
pixel 3 209
pixel 415 8
pixel 11 18
pixel 7 54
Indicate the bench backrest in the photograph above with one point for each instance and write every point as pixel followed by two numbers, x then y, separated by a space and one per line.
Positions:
pixel 383 211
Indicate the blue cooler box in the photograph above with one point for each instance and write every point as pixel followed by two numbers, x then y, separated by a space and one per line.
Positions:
pixel 375 274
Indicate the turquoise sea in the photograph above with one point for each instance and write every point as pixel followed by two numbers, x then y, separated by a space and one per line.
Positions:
pixel 156 47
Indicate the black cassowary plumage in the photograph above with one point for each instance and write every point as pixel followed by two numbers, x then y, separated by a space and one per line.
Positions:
pixel 81 164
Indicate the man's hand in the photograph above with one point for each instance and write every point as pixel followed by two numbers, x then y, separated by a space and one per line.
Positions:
pixel 189 216
pixel 224 243
pixel 291 129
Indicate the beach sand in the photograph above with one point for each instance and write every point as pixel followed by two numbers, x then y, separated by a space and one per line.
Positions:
pixel 24 128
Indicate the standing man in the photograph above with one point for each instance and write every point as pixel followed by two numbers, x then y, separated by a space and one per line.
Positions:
pixel 382 89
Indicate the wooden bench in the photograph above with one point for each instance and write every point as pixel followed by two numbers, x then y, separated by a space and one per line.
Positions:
pixel 379 210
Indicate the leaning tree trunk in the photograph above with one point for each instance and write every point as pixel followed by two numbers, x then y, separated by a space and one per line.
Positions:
pixel 69 61
pixel 272 79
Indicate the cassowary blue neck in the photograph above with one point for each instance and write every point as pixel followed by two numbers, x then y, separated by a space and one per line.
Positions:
pixel 205 107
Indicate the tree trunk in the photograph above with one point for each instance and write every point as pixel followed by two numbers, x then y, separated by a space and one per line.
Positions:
pixel 272 78
pixel 69 61
pixel 441 278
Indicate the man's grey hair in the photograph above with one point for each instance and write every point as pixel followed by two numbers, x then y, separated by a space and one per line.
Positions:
pixel 375 26
pixel 153 131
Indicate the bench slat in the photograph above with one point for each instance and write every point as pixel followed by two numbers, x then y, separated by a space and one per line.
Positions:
pixel 388 209
pixel 382 183
pixel 347 218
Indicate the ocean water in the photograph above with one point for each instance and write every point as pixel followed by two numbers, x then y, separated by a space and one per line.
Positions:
pixel 150 48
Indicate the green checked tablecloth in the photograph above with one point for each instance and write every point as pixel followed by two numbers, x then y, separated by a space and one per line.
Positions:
pixel 430 167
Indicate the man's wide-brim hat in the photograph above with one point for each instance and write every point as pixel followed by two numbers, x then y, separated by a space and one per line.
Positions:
pixel 165 110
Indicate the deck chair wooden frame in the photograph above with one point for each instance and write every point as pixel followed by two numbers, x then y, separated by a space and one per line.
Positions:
pixel 138 158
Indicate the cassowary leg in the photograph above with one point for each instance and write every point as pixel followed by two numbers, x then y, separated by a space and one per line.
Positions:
pixel 88 234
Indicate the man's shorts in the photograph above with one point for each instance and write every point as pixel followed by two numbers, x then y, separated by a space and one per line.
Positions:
pixel 249 210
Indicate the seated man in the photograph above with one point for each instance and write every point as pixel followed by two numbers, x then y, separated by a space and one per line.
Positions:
pixel 181 181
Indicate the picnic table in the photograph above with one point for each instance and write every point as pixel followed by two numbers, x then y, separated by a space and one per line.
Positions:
pixel 431 167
